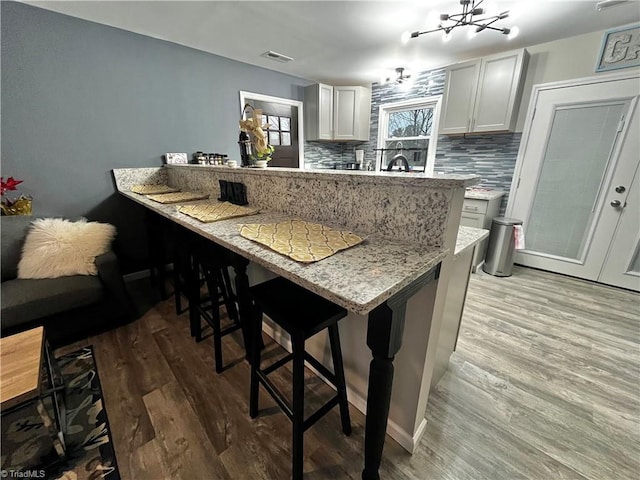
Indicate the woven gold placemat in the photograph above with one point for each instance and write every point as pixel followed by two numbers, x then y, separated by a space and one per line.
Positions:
pixel 302 241
pixel 178 197
pixel 153 189
pixel 214 211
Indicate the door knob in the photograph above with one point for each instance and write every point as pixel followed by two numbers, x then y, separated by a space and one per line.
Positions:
pixel 616 203
pixel 620 189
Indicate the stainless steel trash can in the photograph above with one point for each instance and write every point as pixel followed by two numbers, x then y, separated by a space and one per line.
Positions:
pixel 499 258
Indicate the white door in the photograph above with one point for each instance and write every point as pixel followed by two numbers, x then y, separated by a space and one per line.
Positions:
pixel 622 266
pixel 581 145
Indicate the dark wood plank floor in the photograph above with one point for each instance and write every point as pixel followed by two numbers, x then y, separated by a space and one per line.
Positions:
pixel 545 384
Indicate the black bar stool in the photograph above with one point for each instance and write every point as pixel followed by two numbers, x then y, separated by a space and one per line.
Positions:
pixel 182 240
pixel 212 262
pixel 157 227
pixel 301 314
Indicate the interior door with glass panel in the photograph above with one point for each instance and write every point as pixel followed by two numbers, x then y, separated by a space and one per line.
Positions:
pixel 581 145
pixel 282 132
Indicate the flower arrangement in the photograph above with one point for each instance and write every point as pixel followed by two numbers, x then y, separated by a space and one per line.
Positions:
pixel 254 127
pixel 17 206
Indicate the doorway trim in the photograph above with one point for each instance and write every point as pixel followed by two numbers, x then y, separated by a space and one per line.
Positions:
pixel 526 131
pixel 244 96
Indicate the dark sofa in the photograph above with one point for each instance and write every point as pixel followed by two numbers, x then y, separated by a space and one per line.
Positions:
pixel 69 307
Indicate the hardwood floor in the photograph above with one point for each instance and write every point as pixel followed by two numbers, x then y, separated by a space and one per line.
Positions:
pixel 545 384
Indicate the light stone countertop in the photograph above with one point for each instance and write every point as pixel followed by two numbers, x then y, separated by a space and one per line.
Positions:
pixel 358 279
pixel 396 178
pixel 479 194
pixel 468 237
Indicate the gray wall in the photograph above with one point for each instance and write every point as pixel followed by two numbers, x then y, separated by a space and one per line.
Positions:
pixel 79 99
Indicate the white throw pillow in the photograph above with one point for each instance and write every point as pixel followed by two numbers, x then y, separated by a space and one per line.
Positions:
pixel 58 248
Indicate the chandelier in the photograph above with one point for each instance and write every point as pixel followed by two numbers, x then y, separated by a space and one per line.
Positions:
pixel 401 77
pixel 471 15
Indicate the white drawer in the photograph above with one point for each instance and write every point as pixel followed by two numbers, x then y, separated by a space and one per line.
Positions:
pixel 472 220
pixel 474 206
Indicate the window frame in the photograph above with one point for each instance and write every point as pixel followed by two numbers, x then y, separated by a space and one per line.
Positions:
pixel 385 109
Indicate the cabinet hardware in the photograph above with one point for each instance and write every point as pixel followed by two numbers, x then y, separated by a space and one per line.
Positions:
pixel 616 203
pixel 620 189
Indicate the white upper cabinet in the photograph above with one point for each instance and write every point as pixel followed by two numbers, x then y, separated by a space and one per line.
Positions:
pixel 460 94
pixel 484 95
pixel 337 113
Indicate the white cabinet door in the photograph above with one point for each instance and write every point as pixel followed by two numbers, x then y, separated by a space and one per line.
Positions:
pixel 345 109
pixel 325 112
pixel 337 113
pixel 460 93
pixel 351 113
pixel 498 93
pixel 318 112
pixel 484 95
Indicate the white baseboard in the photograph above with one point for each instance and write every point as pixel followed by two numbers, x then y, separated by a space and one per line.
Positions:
pixel 404 438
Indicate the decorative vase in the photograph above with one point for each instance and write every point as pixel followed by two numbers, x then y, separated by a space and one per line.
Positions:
pixel 244 141
pixel 262 163
pixel 22 206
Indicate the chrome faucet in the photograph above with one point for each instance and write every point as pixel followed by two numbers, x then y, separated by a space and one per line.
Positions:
pixel 399 157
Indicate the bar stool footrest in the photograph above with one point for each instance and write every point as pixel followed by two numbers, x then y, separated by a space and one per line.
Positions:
pixel 276 365
pixel 324 371
pixel 276 395
pixel 321 412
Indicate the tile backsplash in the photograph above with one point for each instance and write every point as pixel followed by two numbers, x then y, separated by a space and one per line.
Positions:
pixel 331 154
pixel 493 157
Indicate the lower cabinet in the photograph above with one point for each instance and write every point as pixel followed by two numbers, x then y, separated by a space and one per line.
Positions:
pixel 479 213
pixel 452 315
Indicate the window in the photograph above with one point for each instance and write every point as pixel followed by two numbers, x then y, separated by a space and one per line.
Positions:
pixel 409 128
pixel 279 130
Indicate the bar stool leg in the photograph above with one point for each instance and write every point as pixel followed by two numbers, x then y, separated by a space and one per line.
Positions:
pixel 298 405
pixel 227 294
pixel 181 268
pixel 194 301
pixel 212 288
pixel 254 349
pixel 338 368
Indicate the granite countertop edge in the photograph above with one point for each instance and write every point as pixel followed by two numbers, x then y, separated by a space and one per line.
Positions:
pixel 489 195
pixel 358 302
pixel 468 237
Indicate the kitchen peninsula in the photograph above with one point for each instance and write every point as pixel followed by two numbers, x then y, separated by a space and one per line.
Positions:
pixel 398 277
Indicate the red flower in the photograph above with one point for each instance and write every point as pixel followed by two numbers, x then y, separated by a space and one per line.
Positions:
pixel 10 184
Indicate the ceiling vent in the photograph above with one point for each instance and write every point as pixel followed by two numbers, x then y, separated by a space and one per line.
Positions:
pixel 278 57
pixel 609 3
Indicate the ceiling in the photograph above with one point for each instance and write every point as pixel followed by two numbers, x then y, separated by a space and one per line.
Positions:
pixel 343 42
